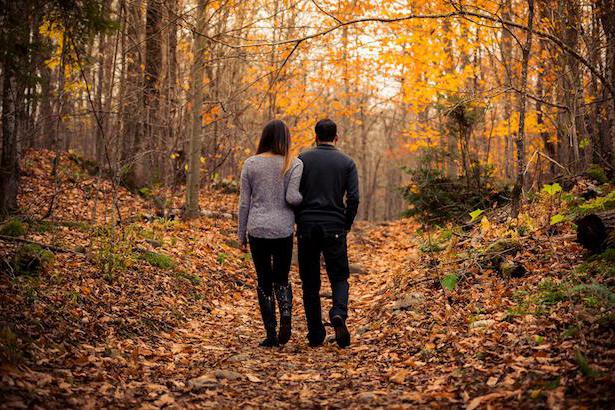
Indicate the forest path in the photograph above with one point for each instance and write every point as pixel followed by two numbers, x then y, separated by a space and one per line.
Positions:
pixel 237 372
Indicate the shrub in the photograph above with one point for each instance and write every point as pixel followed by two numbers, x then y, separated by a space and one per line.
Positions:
pixel 113 249
pixel 596 172
pixel 434 197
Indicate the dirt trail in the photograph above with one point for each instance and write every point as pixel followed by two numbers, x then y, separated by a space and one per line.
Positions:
pixel 237 372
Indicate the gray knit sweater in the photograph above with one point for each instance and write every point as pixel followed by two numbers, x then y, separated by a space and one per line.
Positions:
pixel 267 196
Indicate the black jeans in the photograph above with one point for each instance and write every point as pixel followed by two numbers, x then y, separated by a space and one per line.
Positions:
pixel 271 259
pixel 330 240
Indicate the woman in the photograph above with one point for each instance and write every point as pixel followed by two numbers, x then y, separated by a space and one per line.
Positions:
pixel 269 188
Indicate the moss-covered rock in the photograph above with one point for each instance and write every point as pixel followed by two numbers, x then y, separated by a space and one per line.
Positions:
pixel 510 269
pixel 503 246
pixel 13 227
pixel 158 260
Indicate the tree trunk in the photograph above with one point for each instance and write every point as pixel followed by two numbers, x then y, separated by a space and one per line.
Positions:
pixel 131 108
pixel 102 52
pixel 520 140
pixel 507 61
pixel 171 97
pixel 9 162
pixel 607 18
pixel 194 150
pixel 148 166
pixel 549 146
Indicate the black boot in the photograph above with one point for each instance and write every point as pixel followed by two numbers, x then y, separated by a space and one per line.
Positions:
pixel 284 295
pixel 342 335
pixel 267 305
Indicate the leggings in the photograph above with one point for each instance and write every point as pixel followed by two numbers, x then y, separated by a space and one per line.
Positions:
pixel 272 258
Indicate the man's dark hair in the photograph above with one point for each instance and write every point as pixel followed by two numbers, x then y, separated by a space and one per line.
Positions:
pixel 326 130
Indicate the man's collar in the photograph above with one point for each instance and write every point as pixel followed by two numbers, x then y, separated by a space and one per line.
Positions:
pixel 325 145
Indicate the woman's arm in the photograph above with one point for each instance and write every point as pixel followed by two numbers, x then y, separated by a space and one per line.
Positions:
pixel 293 196
pixel 244 205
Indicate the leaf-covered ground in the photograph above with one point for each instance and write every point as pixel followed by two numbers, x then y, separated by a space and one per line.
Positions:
pixel 176 324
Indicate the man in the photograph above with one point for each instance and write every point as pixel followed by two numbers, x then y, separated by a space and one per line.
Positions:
pixel 323 219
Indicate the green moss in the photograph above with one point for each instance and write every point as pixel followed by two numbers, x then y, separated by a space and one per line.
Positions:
pixel 602 203
pixel 430 247
pixel 42 226
pixel 445 235
pixel 145 192
pixel 595 295
pixel 32 259
pixel 158 260
pixel 82 226
pixel 13 227
pixel 570 332
pixel 552 293
pixel 503 246
pixel 222 257
pixel 598 265
pixel 188 277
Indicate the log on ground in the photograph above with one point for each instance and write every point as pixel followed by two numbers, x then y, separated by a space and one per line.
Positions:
pixel 596 232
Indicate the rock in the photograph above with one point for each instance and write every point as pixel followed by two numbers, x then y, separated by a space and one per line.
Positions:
pixel 239 358
pixel 362 330
pixel 366 396
pixel 227 374
pixel 503 247
pixel 233 243
pixel 164 400
pixel 510 269
pixel 216 214
pixel 31 259
pixel 154 243
pixel 80 249
pixel 206 380
pixel 482 324
pixel 326 294
pixel 358 269
pixel 408 301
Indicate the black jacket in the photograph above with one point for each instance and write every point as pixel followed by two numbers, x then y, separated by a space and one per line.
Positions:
pixel 328 176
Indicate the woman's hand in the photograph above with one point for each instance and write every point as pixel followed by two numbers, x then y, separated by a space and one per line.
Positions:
pixel 244 247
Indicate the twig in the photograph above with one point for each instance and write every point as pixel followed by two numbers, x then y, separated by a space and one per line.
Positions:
pixel 42 245
pixel 554 161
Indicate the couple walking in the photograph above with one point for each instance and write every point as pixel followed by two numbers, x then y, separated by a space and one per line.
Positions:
pixel 276 192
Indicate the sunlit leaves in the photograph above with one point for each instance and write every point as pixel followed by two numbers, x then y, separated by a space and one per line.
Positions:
pixel 552 189
pixel 557 218
pixel 449 282
pixel 475 214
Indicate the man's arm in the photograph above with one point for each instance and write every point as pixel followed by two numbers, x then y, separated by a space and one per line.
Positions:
pixel 352 195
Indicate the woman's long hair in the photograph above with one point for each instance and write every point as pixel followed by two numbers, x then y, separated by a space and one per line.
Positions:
pixel 276 139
